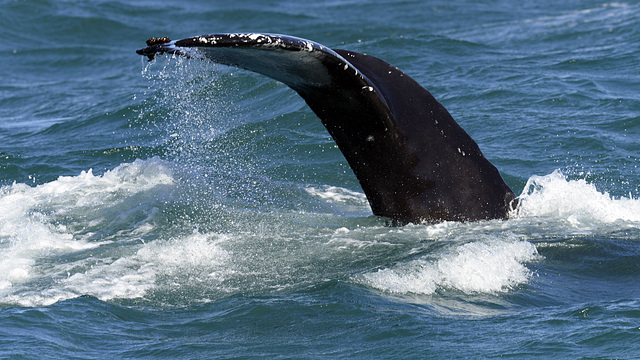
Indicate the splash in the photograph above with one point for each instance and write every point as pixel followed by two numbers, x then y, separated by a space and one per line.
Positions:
pixel 45 230
pixel 335 194
pixel 488 266
pixel 575 202
pixel 163 266
pixel 190 104
pixel 112 236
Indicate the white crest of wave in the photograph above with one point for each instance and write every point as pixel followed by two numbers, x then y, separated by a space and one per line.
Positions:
pixel 50 220
pixel 491 266
pixel 337 194
pixel 575 201
pixel 169 263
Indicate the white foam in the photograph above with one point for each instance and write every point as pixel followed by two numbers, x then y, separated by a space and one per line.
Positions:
pixel 198 257
pixel 42 223
pixel 575 202
pixel 52 249
pixel 478 267
pixel 338 195
pixel 163 264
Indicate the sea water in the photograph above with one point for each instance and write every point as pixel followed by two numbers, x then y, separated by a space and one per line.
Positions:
pixel 181 209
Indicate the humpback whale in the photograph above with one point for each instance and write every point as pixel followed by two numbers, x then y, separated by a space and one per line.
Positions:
pixel 413 161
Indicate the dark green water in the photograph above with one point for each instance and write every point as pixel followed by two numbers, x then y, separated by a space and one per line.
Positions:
pixel 177 209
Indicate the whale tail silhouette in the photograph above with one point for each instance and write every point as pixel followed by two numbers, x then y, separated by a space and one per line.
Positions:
pixel 413 161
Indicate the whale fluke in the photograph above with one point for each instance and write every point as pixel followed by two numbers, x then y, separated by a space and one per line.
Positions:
pixel 413 161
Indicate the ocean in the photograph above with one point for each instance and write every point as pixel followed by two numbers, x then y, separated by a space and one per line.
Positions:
pixel 178 209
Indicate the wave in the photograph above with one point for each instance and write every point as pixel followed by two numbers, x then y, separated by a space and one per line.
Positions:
pixel 488 266
pixel 128 234
pixel 48 232
pixel 496 262
pixel 576 203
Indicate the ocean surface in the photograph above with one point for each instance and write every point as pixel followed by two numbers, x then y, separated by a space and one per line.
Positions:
pixel 185 210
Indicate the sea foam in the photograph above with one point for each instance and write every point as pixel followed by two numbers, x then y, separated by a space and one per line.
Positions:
pixel 89 235
pixel 575 202
pixel 42 224
pixel 488 266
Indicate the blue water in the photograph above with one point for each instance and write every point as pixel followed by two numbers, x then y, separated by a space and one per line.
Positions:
pixel 179 209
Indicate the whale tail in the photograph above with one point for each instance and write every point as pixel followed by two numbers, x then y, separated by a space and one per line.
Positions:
pixel 413 161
